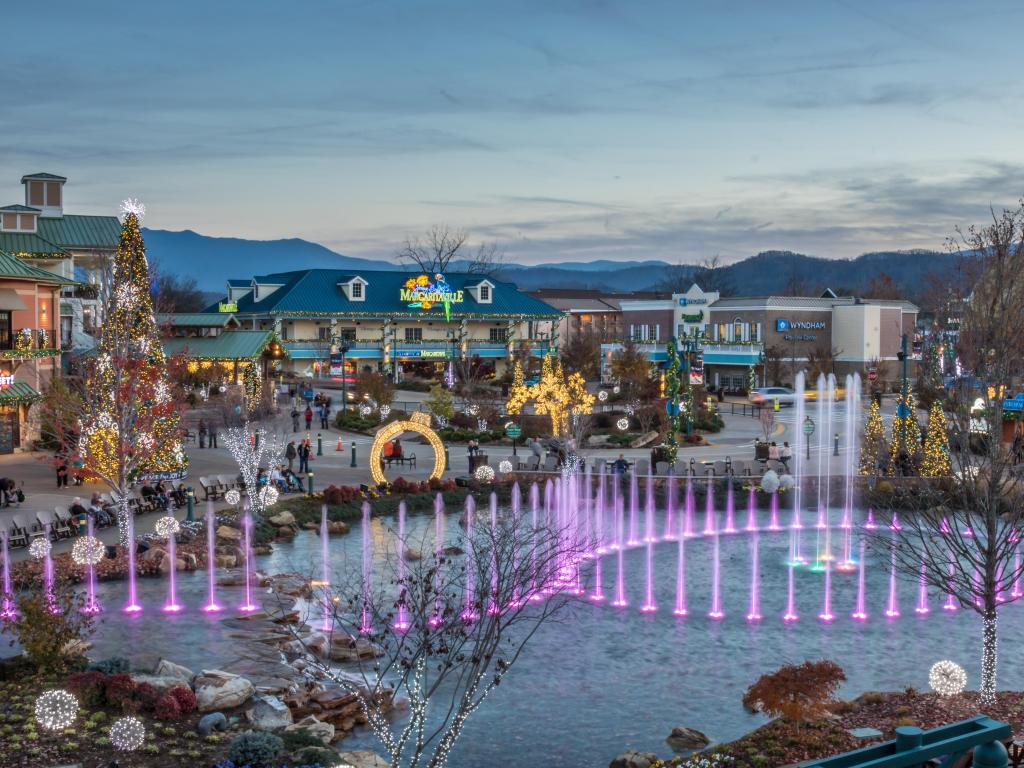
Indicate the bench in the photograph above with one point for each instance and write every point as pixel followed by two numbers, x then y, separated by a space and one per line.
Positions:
pixel 400 460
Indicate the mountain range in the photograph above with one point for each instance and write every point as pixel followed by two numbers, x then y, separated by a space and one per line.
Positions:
pixel 212 260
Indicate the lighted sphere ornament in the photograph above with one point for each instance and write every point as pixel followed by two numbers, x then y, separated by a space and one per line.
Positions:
pixel 947 678
pixel 40 548
pixel 167 526
pixel 222 389
pixel 268 496
pixel 770 481
pixel 786 482
pixel 87 550
pixel 385 411
pixel 233 496
pixel 505 466
pixel 365 410
pixel 473 410
pixel 622 424
pixel 484 473
pixel 602 395
pixel 56 710
pixel 127 734
pixel 616 389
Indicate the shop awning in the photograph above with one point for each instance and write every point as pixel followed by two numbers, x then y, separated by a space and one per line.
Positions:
pixel 19 392
pixel 10 300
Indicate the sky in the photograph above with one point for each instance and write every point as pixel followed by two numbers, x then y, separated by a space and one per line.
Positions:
pixel 562 130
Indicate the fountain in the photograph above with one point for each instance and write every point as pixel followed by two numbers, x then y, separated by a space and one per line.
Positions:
pixel 211 558
pixel 680 607
pixel 129 544
pixel 493 608
pixel 730 509
pixel 690 507
pixel 365 625
pixel 752 510
pixel 91 604
pixel 649 535
pixel 859 613
pixel 48 577
pixel 598 594
pixel 599 535
pixel 869 523
pixel 469 593
pixel 826 611
pixel 892 609
pixel 773 520
pixel 754 614
pixel 633 539
pixel 799 469
pixel 716 582
pixel 649 606
pixel 620 581
pixel 8 611
pixel 922 593
pixel 435 618
pixel 248 606
pixel 670 507
pixel 950 604
pixel 172 605
pixel 709 509
pixel 402 617
pixel 1015 592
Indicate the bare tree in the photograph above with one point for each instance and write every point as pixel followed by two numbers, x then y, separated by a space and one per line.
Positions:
pixel 442 246
pixel 821 360
pixel 774 354
pixel 446 628
pixel 964 536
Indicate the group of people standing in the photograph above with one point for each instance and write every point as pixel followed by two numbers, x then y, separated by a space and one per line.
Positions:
pixel 302 452
pixel 322 404
pixel 207 432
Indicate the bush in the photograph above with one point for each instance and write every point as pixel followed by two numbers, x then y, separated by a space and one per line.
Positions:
pixel 110 666
pixel 146 697
pixel 185 697
pixel 351 420
pixel 88 687
pixel 796 692
pixel 296 740
pixel 256 749
pixel 120 691
pixel 343 494
pixel 320 755
pixel 45 634
pixel 167 708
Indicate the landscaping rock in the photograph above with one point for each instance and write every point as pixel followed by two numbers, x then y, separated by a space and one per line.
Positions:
pixel 412 555
pixel 227 533
pixel 269 714
pixel 153 554
pixel 281 519
pixel 633 759
pixel 453 551
pixel 321 730
pixel 363 759
pixel 337 527
pixel 165 564
pixel 225 561
pixel 167 668
pixel 687 740
pixel 216 689
pixel 160 682
pixel 215 721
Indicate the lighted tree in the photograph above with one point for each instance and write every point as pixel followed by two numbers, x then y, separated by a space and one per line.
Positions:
pixel 676 403
pixel 874 439
pixel 936 444
pixel 905 438
pixel 129 429
pixel 555 395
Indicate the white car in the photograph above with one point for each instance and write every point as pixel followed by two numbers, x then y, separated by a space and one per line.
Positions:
pixel 768 395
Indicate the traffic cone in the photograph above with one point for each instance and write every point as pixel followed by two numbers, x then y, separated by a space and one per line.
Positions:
pixel 340 446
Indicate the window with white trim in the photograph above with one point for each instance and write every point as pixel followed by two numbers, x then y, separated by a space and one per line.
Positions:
pixel 414 334
pixel 485 292
pixel 356 289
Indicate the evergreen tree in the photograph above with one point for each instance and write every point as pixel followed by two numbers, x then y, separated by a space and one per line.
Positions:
pixel 905 438
pixel 874 438
pixel 673 391
pixel 936 445
pixel 129 427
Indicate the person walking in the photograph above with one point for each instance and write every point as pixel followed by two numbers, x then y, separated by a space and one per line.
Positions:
pixel 304 451
pixel 324 413
pixel 290 453
pixel 202 433
pixel 785 455
pixel 62 471
pixel 212 431
pixel 295 418
pixel 309 418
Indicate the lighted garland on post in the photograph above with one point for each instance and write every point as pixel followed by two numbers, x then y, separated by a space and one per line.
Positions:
pixel 253 384
pixel 672 387
pixel 129 429
pixel 874 435
pixel 936 445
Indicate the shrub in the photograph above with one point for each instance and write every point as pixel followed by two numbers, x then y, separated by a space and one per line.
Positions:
pixel 111 666
pixel 296 740
pixel 88 687
pixel 256 749
pixel 145 698
pixel 343 494
pixel 185 697
pixel 120 691
pixel 167 708
pixel 317 756
pixel 51 638
pixel 796 692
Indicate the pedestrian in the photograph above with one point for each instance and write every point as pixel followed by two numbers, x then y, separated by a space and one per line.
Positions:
pixel 202 433
pixel 290 453
pixel 295 418
pixel 773 452
pixel 62 471
pixel 213 435
pixel 309 418
pixel 304 451
pixel 324 413
pixel 785 455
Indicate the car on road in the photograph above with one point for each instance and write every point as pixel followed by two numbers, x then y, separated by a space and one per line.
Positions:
pixel 768 395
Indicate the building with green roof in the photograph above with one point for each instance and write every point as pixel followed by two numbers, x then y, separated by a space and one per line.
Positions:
pixel 402 323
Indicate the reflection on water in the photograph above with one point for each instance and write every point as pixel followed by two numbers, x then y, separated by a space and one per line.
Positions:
pixel 601 680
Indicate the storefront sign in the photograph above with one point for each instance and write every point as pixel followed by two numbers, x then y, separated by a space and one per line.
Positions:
pixel 1014 404
pixel 6 380
pixel 785 326
pixel 423 293
pixel 337 364
pixel 422 353
pixel 801 337
pixel 685 302
pixel 227 306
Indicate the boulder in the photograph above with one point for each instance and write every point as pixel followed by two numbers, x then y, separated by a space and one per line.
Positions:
pixel 310 526
pixel 215 721
pixel 225 561
pixel 161 682
pixel 269 713
pixel 153 554
pixel 191 563
pixel 363 759
pixel 633 759
pixel 227 533
pixel 412 555
pixel 165 668
pixel 216 689
pixel 687 740
pixel 321 730
pixel 453 551
pixel 282 519
pixel 337 527
pixel 165 565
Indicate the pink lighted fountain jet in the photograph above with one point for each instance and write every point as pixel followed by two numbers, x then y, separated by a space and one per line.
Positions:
pixel 773 520
pixel 709 510
pixel 48 577
pixel 211 559
pixel 1015 592
pixel 91 603
pixel 365 625
pixel 469 595
pixel 670 508
pixel 950 604
pixel 133 601
pixel 402 616
pixel 716 611
pixel 730 510
pixel 826 614
pixel 172 605
pixel 649 605
pixel 922 593
pixel 751 511
pixel 892 609
pixel 598 594
pixel 790 615
pixel 620 582
pixel 680 606
pixel 634 535
pixel 859 612
pixel 248 606
pixel 599 517
pixel 754 614
pixel 535 576
pixel 689 508
pixel 436 618
pixel 8 611
pixel 870 523
pixel 649 534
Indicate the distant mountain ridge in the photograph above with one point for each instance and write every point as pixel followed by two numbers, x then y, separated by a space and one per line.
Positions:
pixel 212 260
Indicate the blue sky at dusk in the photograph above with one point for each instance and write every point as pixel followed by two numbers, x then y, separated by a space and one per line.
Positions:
pixel 563 129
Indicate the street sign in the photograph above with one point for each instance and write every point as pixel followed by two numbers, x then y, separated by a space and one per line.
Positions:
pixel 1014 404
pixel 872 374
pixel 514 431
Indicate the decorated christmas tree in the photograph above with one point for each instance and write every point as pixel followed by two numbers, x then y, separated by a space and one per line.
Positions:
pixel 673 391
pixel 936 445
pixel 556 395
pixel 905 439
pixel 129 427
pixel 874 437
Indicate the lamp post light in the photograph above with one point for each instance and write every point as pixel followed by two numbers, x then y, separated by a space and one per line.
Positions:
pixel 808 428
pixel 344 387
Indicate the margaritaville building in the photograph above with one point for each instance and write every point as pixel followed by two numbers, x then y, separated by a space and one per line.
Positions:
pixel 397 322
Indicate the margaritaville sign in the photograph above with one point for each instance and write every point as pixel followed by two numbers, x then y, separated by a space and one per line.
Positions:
pixel 423 293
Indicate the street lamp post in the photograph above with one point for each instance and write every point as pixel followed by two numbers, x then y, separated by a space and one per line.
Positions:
pixel 344 374
pixel 808 431
pixel 902 356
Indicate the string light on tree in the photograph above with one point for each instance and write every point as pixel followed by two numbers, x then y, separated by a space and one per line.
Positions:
pixel 269 496
pixel 947 678
pixel 87 550
pixel 166 526
pixel 936 444
pixel 505 466
pixel 232 497
pixel 874 436
pixel 622 424
pixel 127 733
pixel 56 710
pixel 554 395
pixel 40 547
pixel 602 395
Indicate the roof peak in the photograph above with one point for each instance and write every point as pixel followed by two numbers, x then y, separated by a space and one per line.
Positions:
pixel 42 176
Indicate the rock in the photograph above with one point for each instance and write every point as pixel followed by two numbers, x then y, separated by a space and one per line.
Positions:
pixel 216 689
pixel 687 740
pixel 227 533
pixel 263 549
pixel 153 554
pixel 215 721
pixel 282 519
pixel 269 713
pixel 161 682
pixel 321 730
pixel 633 759
pixel 165 565
pixel 412 555
pixel 191 563
pixel 225 561
pixel 452 551
pixel 363 759
pixel 310 526
pixel 165 668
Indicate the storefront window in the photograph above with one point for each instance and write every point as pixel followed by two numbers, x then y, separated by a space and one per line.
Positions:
pixel 498 334
pixel 6 331
pixel 414 334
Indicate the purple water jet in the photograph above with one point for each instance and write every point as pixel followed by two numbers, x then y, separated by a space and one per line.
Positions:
pixel 730 510
pixel 649 605
pixel 598 594
pixel 709 510
pixel 716 581
pixel 91 604
pixel 48 577
pixel 922 593
pixel 133 601
pixel 826 614
pixel 633 539
pixel 790 615
pixel 402 617
pixel 8 611
pixel 670 507
pixel 469 594
pixel 493 607
pixel 172 605
pixel 773 520
pixel 599 513
pixel 751 511
pixel 680 607
pixel 436 618
pixel 620 582
pixel 1015 592
pixel 870 524
pixel 365 626
pixel 649 534
pixel 950 604
pixel 248 606
pixel 859 612
pixel 892 609
pixel 754 614
pixel 535 576
pixel 895 524
pixel 211 559
pixel 689 508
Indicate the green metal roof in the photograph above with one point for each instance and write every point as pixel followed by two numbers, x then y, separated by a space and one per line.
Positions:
pixel 195 319
pixel 20 208
pixel 19 392
pixel 31 244
pixel 316 292
pixel 12 266
pixel 230 345
pixel 73 231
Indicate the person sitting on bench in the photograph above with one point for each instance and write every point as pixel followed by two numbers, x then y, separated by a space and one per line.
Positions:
pixel 396 450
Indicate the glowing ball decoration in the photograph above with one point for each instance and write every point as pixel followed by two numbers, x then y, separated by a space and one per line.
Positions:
pixel 786 482
pixel 947 678
pixel 87 550
pixel 167 526
pixel 770 481
pixel 622 424
pixel 127 734
pixel 268 496
pixel 56 710
pixel 602 395
pixel 233 496
pixel 385 411
pixel 616 389
pixel 40 548
pixel 505 466
pixel 484 473
pixel 365 410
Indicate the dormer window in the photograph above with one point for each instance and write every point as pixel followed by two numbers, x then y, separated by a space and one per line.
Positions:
pixel 357 290
pixel 354 288
pixel 482 292
pixel 45 191
pixel 485 293
pixel 18 218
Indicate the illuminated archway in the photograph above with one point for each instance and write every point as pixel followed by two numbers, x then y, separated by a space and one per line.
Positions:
pixel 419 423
